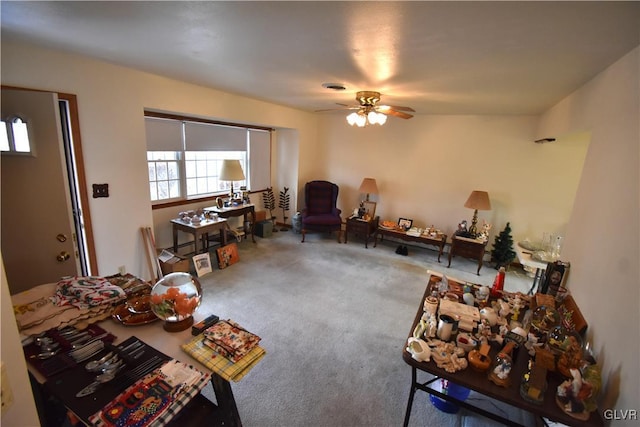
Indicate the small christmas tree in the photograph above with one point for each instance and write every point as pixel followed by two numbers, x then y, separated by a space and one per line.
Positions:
pixel 502 252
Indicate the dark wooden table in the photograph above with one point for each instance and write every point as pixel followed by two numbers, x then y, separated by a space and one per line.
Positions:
pixel 467 248
pixel 237 211
pixel 437 241
pixel 361 227
pixel 479 382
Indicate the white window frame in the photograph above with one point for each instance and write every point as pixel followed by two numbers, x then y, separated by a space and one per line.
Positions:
pixel 15 138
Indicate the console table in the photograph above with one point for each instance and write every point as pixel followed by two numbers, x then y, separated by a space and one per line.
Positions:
pixel 360 226
pixel 478 382
pixel 467 248
pixel 237 211
pixel 437 241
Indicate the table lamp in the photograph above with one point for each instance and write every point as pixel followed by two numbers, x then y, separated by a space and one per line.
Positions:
pixel 368 186
pixel 231 171
pixel 479 201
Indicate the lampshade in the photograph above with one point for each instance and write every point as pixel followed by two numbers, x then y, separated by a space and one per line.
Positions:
pixel 478 200
pixel 231 171
pixel 368 186
pixel 366 116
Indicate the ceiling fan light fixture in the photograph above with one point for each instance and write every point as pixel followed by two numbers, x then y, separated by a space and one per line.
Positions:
pixel 352 118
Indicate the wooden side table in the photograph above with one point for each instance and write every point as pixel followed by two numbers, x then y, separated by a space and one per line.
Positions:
pixel 467 248
pixel 364 228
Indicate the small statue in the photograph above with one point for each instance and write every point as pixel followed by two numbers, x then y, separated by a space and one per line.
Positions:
pixel 462 226
pixel 484 234
pixel 577 395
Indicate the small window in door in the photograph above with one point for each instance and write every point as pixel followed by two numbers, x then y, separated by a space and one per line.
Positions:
pixel 14 136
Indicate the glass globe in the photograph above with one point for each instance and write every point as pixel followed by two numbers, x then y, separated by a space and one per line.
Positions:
pixel 174 299
pixel 543 320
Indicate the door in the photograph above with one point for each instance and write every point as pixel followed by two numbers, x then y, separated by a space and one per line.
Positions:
pixel 38 243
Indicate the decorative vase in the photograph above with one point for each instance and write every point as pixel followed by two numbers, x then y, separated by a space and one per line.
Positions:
pixel 174 299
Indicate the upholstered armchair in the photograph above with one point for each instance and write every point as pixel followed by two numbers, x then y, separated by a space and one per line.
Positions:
pixel 320 212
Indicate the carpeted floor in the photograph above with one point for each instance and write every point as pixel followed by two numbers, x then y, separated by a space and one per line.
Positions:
pixel 333 319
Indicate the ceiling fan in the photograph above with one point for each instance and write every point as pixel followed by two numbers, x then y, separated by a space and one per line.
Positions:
pixel 369 112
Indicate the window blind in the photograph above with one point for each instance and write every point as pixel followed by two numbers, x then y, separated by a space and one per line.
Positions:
pixel 210 137
pixel 163 134
pixel 259 159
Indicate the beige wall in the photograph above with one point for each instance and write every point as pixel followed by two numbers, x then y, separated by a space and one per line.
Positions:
pixel 603 236
pixel 425 167
pixel 23 410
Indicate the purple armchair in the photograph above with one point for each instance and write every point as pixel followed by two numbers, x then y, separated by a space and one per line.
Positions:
pixel 320 212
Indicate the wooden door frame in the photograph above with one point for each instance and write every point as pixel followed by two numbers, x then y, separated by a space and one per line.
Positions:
pixel 82 181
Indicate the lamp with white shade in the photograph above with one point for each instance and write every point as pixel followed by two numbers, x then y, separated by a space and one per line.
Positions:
pixel 231 171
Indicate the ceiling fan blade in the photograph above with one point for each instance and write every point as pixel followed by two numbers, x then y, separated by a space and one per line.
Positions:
pixel 346 107
pixel 396 107
pixel 397 114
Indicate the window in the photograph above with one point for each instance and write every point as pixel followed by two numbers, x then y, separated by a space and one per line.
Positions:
pixel 184 157
pixel 14 138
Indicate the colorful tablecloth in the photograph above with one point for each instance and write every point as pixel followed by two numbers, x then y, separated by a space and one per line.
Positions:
pixel 154 399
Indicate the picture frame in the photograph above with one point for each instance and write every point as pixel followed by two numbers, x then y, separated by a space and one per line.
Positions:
pixel 405 223
pixel 369 210
pixel 555 277
pixel 202 263
pixel 227 255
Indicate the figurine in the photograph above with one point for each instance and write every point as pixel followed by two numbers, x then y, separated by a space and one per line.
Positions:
pixel 484 234
pixel 462 226
pixel 432 326
pixel 484 331
pixel 576 396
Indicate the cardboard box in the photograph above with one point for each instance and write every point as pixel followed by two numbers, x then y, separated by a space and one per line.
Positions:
pixel 171 263
pixel 264 229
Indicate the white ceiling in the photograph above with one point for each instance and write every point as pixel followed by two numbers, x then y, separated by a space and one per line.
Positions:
pixel 437 57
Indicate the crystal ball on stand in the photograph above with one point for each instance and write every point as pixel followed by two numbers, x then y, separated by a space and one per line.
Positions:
pixel 174 299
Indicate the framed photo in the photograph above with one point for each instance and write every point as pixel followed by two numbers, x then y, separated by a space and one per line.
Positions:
pixel 555 278
pixel 227 255
pixel 369 210
pixel 405 223
pixel 202 262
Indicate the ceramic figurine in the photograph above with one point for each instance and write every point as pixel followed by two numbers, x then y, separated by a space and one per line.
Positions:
pixel 577 396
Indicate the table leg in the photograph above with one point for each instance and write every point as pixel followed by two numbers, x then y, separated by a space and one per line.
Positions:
pixel 253 224
pixel 441 250
pixel 536 281
pixel 412 393
pixel 479 265
pixel 175 239
pixel 225 399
